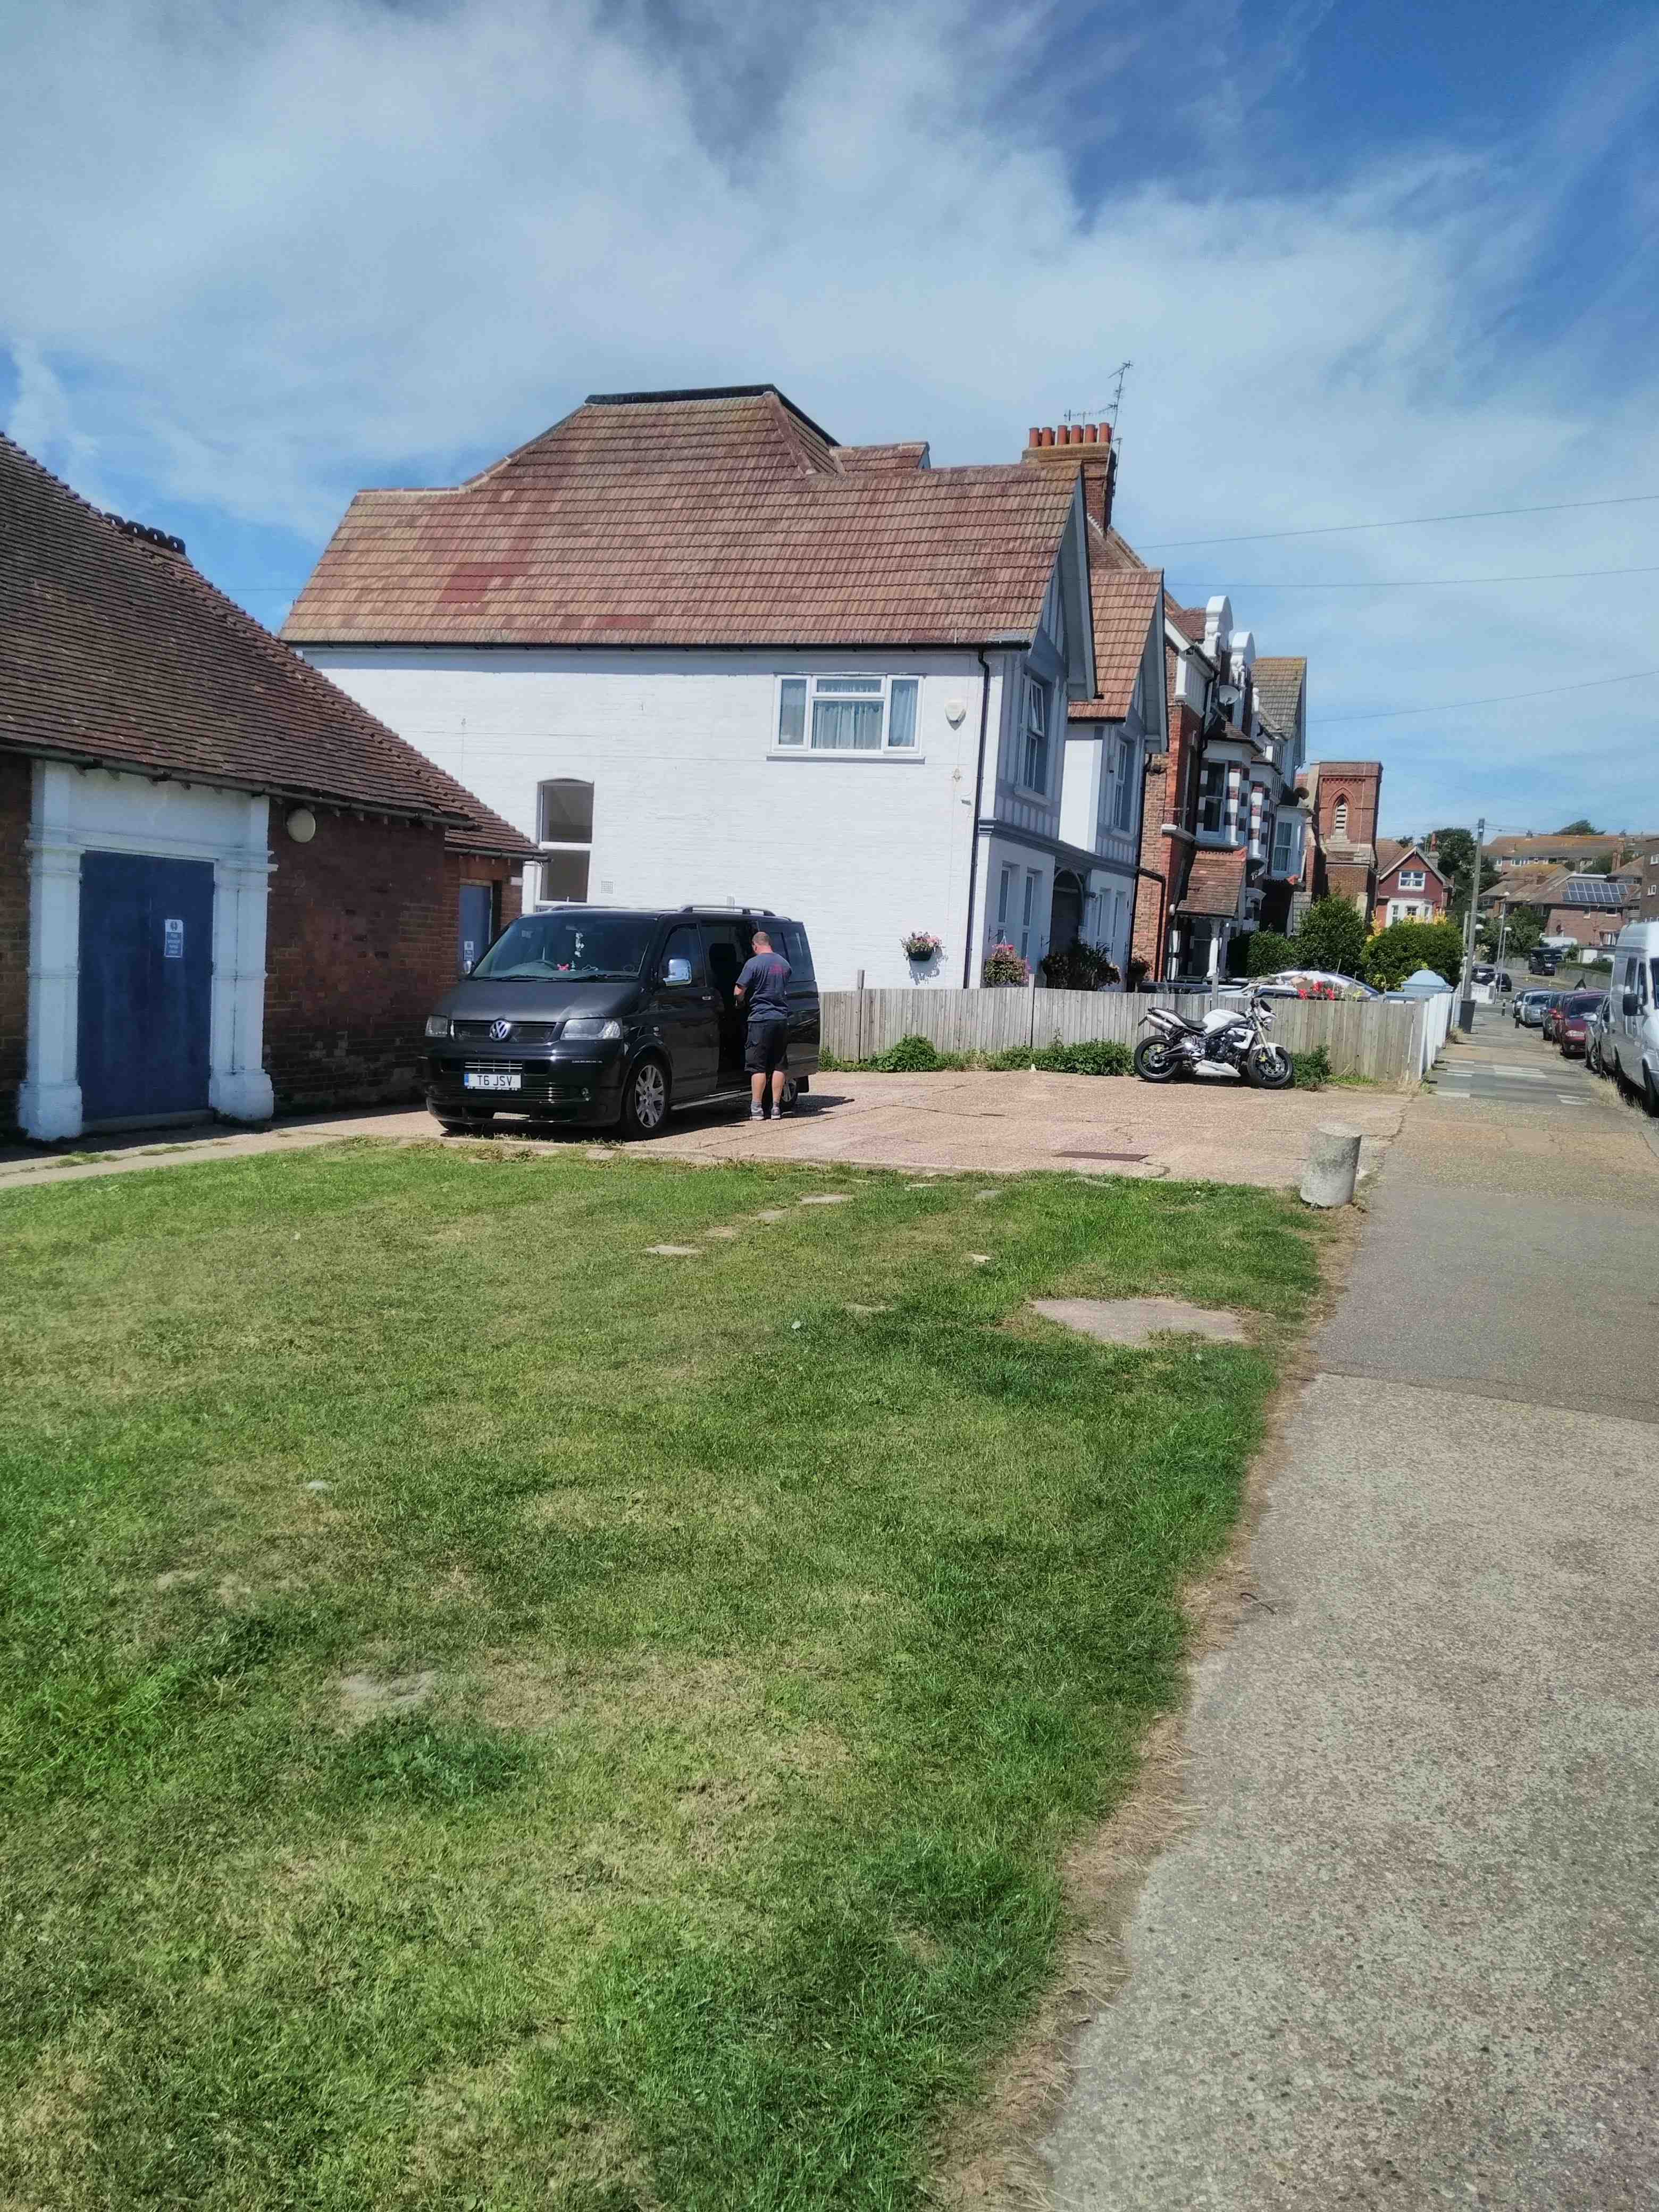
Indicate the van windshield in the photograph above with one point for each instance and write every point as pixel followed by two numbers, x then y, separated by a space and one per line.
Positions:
pixel 582 948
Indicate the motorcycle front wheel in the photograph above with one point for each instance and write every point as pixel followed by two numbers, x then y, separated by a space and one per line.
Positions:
pixel 1154 1061
pixel 1269 1067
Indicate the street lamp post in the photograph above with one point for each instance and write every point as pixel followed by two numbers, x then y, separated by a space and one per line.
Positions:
pixel 1466 1011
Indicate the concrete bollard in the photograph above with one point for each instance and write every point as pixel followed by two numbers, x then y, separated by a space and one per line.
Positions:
pixel 1333 1164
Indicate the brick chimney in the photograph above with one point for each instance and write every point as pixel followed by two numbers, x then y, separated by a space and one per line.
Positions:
pixel 1075 446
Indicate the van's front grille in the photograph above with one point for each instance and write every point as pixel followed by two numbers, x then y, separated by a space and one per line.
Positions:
pixel 521 1033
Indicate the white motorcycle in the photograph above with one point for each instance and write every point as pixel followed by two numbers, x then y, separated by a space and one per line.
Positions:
pixel 1229 1038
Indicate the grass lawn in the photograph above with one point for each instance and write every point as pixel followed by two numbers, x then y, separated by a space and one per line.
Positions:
pixel 639 1777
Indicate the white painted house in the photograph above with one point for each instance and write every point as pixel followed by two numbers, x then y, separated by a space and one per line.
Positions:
pixel 698 651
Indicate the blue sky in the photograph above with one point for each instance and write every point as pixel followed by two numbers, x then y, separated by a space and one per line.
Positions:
pixel 1368 262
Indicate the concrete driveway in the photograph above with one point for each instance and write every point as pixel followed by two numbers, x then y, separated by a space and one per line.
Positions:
pixel 1212 1129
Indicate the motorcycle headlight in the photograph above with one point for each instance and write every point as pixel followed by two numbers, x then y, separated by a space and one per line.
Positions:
pixel 1265 1016
pixel 589 1025
pixel 437 1025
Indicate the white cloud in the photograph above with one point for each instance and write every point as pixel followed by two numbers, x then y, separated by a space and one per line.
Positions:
pixel 258 257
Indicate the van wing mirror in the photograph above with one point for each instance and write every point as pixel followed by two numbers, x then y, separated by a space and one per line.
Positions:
pixel 1631 1004
pixel 677 971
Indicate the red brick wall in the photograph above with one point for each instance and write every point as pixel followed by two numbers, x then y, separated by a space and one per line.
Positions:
pixel 361 941
pixel 1166 786
pixel 1152 911
pixel 1359 782
pixel 16 783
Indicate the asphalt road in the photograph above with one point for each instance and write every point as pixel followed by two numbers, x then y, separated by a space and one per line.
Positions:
pixel 1406 1950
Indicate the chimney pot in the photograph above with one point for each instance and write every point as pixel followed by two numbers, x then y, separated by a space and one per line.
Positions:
pixel 1034 437
pixel 1088 433
pixel 1075 433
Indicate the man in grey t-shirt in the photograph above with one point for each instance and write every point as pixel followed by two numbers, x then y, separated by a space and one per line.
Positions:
pixel 763 987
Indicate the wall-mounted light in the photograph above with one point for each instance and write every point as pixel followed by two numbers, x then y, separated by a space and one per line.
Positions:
pixel 955 709
pixel 302 824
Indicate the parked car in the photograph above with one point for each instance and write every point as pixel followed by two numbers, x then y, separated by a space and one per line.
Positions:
pixel 1572 1030
pixel 1541 963
pixel 595 1014
pixel 1596 1035
pixel 1314 983
pixel 1553 1017
pixel 1528 1012
pixel 1630 1048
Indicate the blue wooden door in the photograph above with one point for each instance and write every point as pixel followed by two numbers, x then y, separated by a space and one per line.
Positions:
pixel 146 985
pixel 478 923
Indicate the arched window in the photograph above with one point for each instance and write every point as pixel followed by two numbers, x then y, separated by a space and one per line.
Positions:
pixel 564 830
pixel 1339 819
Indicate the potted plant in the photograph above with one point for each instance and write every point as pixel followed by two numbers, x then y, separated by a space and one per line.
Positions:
pixel 921 948
pixel 1080 967
pixel 1004 967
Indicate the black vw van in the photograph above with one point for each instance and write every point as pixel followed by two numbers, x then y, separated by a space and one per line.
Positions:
pixel 601 1014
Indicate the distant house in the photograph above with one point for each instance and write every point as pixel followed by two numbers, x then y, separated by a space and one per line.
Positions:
pixel 223 886
pixel 696 648
pixel 1577 854
pixel 1587 910
pixel 1409 885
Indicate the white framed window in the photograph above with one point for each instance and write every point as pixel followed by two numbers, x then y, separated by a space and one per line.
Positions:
pixel 1212 798
pixel 564 830
pixel 1287 845
pixel 1004 901
pixel 1034 737
pixel 1123 797
pixel 1410 879
pixel 850 714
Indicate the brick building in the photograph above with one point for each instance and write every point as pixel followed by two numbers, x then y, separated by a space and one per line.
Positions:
pixel 1222 830
pixel 223 886
pixel 1342 798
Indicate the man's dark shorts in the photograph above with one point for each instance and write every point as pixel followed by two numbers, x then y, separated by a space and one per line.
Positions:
pixel 766 1050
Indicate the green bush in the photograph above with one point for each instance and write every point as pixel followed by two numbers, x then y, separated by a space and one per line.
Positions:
pixel 915 1055
pixel 1332 935
pixel 1080 968
pixel 1311 1070
pixel 1405 946
pixel 1098 1056
pixel 1266 952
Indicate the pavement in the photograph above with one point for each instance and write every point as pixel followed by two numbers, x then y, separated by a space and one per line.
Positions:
pixel 1404 1949
pixel 1213 1129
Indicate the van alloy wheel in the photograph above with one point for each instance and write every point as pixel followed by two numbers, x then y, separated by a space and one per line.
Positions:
pixel 645 1100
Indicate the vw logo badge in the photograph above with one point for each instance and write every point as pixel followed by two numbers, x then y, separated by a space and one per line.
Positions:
pixel 500 1030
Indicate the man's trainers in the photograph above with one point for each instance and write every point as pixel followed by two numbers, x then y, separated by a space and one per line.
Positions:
pixel 757 1113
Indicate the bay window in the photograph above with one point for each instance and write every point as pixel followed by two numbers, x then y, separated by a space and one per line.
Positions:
pixel 1211 799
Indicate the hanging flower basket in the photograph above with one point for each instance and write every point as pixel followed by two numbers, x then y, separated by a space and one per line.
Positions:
pixel 920 946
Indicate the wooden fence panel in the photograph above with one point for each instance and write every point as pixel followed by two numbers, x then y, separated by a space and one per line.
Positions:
pixel 1384 1040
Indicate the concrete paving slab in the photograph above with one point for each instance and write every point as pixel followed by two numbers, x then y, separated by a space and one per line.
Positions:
pixel 1407 1953
pixel 1134 1320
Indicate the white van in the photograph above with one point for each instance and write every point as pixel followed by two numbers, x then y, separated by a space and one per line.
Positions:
pixel 1630 1046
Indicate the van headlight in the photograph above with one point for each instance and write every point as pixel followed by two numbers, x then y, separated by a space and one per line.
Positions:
pixel 437 1025
pixel 589 1025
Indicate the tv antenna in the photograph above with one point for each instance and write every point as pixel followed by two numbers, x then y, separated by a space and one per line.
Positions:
pixel 1108 413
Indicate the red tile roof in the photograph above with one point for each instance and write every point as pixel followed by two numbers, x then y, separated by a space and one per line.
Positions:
pixel 1214 882
pixel 1125 606
pixel 1189 621
pixel 115 652
pixel 694 519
